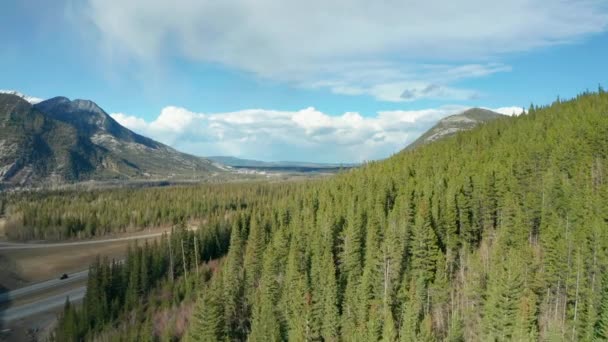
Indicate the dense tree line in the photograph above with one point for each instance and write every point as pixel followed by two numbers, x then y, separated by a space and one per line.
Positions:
pixel 58 215
pixel 152 277
pixel 496 234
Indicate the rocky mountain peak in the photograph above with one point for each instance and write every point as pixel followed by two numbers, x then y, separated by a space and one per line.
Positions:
pixel 86 106
pixel 453 124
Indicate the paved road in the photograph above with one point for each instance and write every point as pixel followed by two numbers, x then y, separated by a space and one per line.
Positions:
pixel 55 301
pixel 43 305
pixel 43 286
pixel 14 245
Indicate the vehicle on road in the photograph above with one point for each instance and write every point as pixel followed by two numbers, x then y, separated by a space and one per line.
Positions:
pixel 64 276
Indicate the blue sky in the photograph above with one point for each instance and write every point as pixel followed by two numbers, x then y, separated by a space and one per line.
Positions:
pixel 332 81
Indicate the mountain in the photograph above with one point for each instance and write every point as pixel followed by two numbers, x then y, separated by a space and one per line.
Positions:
pixel 455 123
pixel 244 163
pixel 59 140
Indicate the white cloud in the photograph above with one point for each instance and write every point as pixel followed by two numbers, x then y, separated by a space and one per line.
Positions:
pixel 394 83
pixel 131 122
pixel 354 47
pixel 509 110
pixel 306 134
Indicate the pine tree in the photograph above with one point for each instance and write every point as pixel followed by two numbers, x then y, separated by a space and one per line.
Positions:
pixel 67 329
pixel 371 289
pixel 601 326
pixel 235 315
pixel 265 326
pixel 411 315
pixel 208 317
pixel 451 227
pixel 456 329
pixel 331 327
pixel 504 293
pixel 389 332
pixel 267 323
pixel 134 286
pixel 426 330
pixel 351 265
pixel 440 297
pixel 425 251
pixel 525 327
pixel 393 250
pixel 295 302
pixel 254 251
pixel 352 247
pixel 469 227
pixel 146 332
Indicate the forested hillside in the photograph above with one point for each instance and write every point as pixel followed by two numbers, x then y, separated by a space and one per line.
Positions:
pixel 59 215
pixel 496 234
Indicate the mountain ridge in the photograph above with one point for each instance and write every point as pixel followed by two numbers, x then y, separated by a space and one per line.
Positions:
pixel 453 124
pixel 61 141
pixel 30 99
pixel 244 162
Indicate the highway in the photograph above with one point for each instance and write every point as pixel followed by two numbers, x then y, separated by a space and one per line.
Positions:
pixel 43 286
pixel 50 294
pixel 43 305
pixel 14 245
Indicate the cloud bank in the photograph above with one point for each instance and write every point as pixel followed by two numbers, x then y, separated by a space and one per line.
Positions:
pixel 351 47
pixel 306 134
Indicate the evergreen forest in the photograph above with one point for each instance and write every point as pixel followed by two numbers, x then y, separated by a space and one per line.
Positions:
pixel 495 234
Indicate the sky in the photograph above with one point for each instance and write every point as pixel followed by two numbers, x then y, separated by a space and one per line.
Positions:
pixel 316 80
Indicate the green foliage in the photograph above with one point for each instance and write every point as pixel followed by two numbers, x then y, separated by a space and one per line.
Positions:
pixel 495 234
pixel 117 289
pixel 601 327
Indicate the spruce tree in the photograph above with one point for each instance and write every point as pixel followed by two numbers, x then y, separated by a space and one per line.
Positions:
pixel 208 317
pixel 425 251
pixel 235 314
pixel 601 326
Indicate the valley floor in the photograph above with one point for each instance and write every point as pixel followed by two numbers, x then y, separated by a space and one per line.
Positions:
pixel 31 291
